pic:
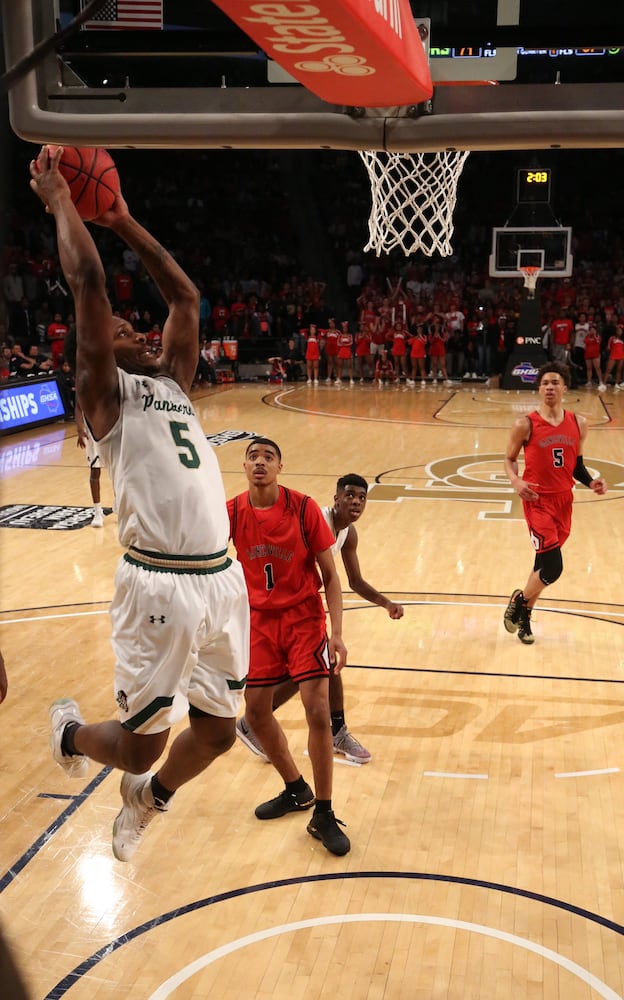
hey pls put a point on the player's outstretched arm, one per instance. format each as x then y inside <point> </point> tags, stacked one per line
<point>181,328</point>
<point>96,371</point>
<point>333,596</point>
<point>357,582</point>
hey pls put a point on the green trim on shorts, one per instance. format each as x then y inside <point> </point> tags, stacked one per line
<point>237,685</point>
<point>153,708</point>
<point>172,558</point>
<point>182,570</point>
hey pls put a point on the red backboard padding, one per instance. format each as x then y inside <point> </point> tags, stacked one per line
<point>363,53</point>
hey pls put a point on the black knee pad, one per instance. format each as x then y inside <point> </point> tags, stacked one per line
<point>549,565</point>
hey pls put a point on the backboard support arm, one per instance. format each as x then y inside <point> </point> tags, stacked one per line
<point>43,109</point>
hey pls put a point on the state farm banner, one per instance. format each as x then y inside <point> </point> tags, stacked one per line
<point>363,53</point>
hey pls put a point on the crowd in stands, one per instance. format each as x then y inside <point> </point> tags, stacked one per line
<point>229,222</point>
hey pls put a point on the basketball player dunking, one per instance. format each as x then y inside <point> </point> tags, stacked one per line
<point>179,614</point>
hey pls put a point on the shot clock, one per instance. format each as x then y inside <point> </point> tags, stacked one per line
<point>532,185</point>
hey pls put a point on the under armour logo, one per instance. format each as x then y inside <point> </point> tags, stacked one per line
<point>157,618</point>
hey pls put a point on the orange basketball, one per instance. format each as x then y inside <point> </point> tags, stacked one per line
<point>93,180</point>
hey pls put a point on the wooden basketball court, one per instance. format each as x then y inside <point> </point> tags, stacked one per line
<point>487,856</point>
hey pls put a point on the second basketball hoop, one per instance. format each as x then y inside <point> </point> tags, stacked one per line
<point>530,275</point>
<point>413,200</point>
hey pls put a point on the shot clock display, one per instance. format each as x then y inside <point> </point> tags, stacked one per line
<point>532,185</point>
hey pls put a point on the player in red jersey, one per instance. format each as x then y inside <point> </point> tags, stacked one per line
<point>281,538</point>
<point>349,505</point>
<point>553,440</point>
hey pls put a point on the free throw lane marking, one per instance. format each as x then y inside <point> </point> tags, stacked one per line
<point>451,774</point>
<point>587,774</point>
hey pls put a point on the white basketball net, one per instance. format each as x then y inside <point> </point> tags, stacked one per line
<point>530,275</point>
<point>413,200</point>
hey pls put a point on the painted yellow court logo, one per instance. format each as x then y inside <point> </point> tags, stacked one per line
<point>477,479</point>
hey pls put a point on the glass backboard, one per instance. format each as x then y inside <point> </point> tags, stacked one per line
<point>547,247</point>
<point>202,82</point>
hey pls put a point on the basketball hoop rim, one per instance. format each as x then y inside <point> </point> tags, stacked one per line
<point>530,274</point>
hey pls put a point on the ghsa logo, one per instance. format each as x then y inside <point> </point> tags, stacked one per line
<point>525,371</point>
<point>50,399</point>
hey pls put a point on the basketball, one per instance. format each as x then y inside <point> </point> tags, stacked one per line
<point>93,180</point>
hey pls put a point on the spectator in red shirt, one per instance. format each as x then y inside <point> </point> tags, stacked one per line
<point>123,284</point>
<point>561,334</point>
<point>566,293</point>
<point>616,358</point>
<point>368,316</point>
<point>154,338</point>
<point>265,321</point>
<point>399,348</point>
<point>363,357</point>
<point>345,353</point>
<point>5,362</point>
<point>220,317</point>
<point>379,333</point>
<point>238,313</point>
<point>56,338</point>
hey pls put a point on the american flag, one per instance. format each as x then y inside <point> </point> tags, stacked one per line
<point>118,14</point>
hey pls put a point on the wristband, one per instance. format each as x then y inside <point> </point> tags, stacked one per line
<point>581,473</point>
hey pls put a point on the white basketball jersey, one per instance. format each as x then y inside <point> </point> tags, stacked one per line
<point>341,537</point>
<point>167,481</point>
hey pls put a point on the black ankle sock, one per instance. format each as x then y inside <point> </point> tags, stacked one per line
<point>337,722</point>
<point>299,785</point>
<point>68,748</point>
<point>322,806</point>
<point>160,793</point>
